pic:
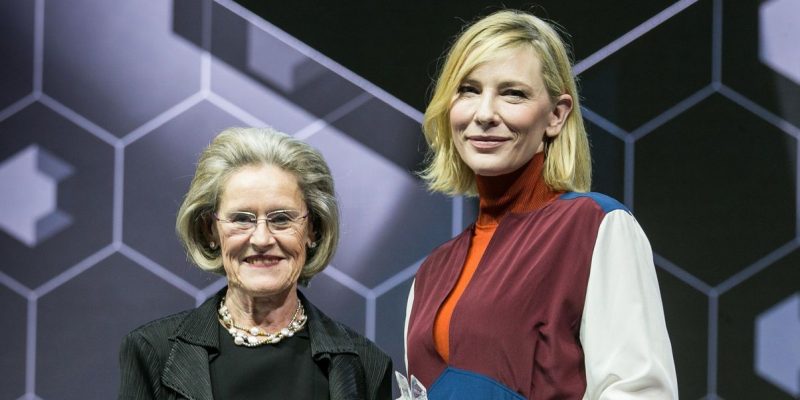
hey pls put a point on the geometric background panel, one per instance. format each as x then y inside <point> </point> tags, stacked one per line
<point>252,51</point>
<point>686,312</point>
<point>777,345</point>
<point>617,88</point>
<point>743,47</point>
<point>257,100</point>
<point>133,74</point>
<point>12,379</point>
<point>152,197</point>
<point>739,311</point>
<point>778,35</point>
<point>16,46</point>
<point>84,195</point>
<point>81,322</point>
<point>31,215</point>
<point>396,137</point>
<point>608,162</point>
<point>413,218</point>
<point>716,194</point>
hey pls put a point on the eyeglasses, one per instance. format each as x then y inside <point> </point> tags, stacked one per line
<point>278,222</point>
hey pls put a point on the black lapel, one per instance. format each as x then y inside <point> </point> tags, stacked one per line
<point>186,370</point>
<point>331,342</point>
<point>346,378</point>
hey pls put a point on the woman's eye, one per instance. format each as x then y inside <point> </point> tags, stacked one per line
<point>280,218</point>
<point>467,89</point>
<point>515,93</point>
<point>241,218</point>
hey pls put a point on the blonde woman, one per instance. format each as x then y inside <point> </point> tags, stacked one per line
<point>552,292</point>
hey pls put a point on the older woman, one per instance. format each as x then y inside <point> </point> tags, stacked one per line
<point>552,292</point>
<point>260,210</point>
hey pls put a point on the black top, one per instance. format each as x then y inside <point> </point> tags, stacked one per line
<point>284,370</point>
<point>170,358</point>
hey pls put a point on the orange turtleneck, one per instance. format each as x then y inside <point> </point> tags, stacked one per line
<point>521,191</point>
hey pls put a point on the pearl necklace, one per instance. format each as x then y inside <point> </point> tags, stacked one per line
<point>250,337</point>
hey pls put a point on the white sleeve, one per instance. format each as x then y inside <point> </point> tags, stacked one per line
<point>624,337</point>
<point>409,303</point>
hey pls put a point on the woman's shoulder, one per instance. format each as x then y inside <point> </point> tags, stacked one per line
<point>375,363</point>
<point>150,341</point>
<point>331,334</point>
<point>367,349</point>
<point>158,330</point>
<point>364,345</point>
<point>594,200</point>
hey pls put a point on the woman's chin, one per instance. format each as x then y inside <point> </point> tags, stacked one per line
<point>491,170</point>
<point>263,287</point>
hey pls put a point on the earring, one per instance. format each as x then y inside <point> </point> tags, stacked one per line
<point>312,245</point>
<point>212,245</point>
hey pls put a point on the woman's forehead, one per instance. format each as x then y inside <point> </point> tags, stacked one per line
<point>520,63</point>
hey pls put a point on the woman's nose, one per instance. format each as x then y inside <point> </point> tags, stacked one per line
<point>261,235</point>
<point>486,114</point>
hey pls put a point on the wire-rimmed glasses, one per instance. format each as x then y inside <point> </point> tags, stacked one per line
<point>278,222</point>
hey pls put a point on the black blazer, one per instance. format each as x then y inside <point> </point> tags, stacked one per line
<point>169,357</point>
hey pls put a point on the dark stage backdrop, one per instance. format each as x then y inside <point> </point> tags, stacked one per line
<point>693,109</point>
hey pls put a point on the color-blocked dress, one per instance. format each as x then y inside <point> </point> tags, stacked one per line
<point>564,304</point>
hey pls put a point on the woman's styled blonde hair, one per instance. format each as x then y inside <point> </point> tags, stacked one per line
<point>567,165</point>
<point>235,148</point>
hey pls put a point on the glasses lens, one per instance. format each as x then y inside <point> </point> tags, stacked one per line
<point>281,221</point>
<point>242,222</point>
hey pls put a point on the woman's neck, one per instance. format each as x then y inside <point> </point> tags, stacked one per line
<point>520,191</point>
<point>270,313</point>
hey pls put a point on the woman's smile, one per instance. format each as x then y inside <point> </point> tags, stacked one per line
<point>263,260</point>
<point>487,142</point>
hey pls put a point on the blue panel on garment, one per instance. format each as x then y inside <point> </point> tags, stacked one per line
<point>458,384</point>
<point>608,204</point>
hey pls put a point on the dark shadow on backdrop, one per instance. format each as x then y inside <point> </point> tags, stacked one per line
<point>307,84</point>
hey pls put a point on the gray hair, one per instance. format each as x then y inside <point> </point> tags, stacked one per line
<point>235,148</point>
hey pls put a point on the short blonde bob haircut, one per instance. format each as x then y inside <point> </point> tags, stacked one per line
<point>235,148</point>
<point>568,165</point>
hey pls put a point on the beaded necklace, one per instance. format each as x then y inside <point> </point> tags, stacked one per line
<point>254,336</point>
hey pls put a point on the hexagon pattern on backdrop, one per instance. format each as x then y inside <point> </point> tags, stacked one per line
<point>778,345</point>
<point>778,36</point>
<point>104,110</point>
<point>16,18</point>
<point>32,215</point>
<point>747,314</point>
